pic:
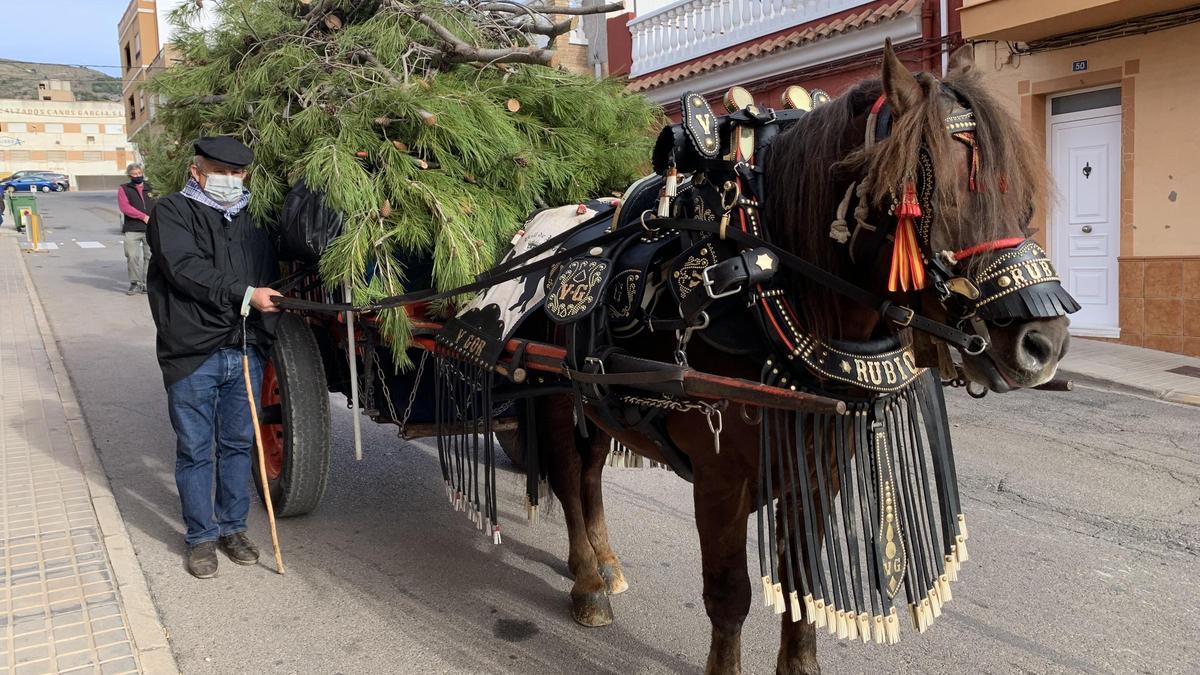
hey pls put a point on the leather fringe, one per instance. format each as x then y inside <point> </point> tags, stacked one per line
<point>465,441</point>
<point>859,518</point>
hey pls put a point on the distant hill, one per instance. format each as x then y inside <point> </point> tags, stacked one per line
<point>19,80</point>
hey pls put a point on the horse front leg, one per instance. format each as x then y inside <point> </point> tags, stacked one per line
<point>722,507</point>
<point>609,565</point>
<point>589,595</point>
<point>797,639</point>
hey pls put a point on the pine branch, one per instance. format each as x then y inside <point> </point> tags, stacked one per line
<point>462,52</point>
<point>510,7</point>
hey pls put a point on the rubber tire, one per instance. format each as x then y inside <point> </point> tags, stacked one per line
<point>59,188</point>
<point>304,404</point>
<point>45,188</point>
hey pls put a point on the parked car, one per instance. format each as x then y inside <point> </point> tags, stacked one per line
<point>54,175</point>
<point>59,178</point>
<point>29,183</point>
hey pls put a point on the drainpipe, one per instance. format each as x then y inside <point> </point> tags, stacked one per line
<point>944,21</point>
<point>927,53</point>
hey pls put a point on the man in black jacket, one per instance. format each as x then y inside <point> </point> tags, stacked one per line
<point>210,259</point>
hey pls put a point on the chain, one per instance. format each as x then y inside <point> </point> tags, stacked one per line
<point>712,411</point>
<point>387,393</point>
<point>412,396</point>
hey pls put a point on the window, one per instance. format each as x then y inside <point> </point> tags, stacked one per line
<point>128,57</point>
<point>56,155</point>
<point>132,110</point>
<point>91,140</point>
<point>141,101</point>
<point>19,155</point>
<point>137,46</point>
<point>1088,100</point>
<point>89,128</point>
<point>52,128</point>
<point>114,128</point>
<point>93,156</point>
<point>17,128</point>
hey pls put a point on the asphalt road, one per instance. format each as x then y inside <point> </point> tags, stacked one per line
<point>1084,512</point>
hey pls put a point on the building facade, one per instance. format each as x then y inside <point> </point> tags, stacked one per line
<point>708,46</point>
<point>84,139</point>
<point>138,42</point>
<point>1107,90</point>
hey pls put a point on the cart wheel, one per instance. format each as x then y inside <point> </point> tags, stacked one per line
<point>295,424</point>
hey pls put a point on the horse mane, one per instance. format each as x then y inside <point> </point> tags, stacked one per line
<point>811,165</point>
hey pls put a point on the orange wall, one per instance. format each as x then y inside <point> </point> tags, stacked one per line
<point>1159,72</point>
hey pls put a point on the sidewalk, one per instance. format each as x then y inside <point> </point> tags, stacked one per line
<point>1142,371</point>
<point>73,597</point>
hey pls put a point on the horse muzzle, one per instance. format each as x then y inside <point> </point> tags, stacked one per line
<point>1017,304</point>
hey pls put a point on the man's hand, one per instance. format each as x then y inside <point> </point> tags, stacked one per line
<point>261,300</point>
<point>146,219</point>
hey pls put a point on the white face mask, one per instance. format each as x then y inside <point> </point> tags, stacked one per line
<point>222,188</point>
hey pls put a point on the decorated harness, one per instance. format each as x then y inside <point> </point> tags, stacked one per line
<point>863,486</point>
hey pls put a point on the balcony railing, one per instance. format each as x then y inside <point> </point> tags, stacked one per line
<point>687,29</point>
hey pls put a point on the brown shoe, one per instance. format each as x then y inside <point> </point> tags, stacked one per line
<point>202,560</point>
<point>239,548</point>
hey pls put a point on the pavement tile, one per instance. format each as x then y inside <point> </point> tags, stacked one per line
<point>35,668</point>
<point>126,665</point>
<point>69,632</point>
<point>114,651</point>
<point>79,662</point>
<point>72,646</point>
<point>31,654</point>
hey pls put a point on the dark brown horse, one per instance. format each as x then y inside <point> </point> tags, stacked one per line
<point>808,171</point>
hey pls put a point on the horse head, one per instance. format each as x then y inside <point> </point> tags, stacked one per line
<point>930,186</point>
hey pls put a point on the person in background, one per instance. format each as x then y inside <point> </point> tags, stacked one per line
<point>136,204</point>
<point>209,259</point>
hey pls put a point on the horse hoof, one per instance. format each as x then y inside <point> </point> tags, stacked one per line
<point>592,609</point>
<point>614,578</point>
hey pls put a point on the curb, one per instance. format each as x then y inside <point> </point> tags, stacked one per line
<point>1169,395</point>
<point>146,630</point>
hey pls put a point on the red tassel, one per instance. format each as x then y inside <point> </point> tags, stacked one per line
<point>907,270</point>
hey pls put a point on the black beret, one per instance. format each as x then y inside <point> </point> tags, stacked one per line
<point>224,149</point>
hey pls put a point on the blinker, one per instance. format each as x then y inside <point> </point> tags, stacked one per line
<point>963,286</point>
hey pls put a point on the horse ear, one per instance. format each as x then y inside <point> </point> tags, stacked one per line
<point>962,61</point>
<point>899,85</point>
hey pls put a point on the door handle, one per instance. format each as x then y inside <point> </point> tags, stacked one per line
<point>1087,229</point>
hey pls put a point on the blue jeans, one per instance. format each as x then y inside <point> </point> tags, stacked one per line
<point>210,405</point>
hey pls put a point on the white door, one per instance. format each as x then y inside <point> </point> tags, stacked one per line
<point>1085,227</point>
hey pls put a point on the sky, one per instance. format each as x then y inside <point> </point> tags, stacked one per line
<point>73,32</point>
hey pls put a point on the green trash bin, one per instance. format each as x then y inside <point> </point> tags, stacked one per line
<point>22,208</point>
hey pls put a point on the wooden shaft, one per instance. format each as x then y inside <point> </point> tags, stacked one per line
<point>549,359</point>
<point>262,464</point>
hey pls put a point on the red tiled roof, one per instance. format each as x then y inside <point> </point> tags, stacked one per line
<point>770,45</point>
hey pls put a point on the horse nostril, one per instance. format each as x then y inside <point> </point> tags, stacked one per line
<point>1036,349</point>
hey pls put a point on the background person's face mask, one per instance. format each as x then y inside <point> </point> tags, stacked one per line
<point>223,188</point>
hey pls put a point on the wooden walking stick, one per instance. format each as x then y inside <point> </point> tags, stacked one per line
<point>262,463</point>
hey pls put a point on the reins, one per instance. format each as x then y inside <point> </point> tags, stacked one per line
<point>899,315</point>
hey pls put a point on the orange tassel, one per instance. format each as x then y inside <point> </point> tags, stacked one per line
<point>907,270</point>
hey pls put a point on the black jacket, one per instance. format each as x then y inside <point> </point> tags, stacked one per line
<point>199,272</point>
<point>142,202</point>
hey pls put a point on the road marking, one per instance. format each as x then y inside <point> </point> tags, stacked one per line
<point>89,244</point>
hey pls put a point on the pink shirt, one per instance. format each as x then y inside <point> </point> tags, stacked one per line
<point>126,207</point>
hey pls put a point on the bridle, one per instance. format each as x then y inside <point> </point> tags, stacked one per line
<point>1019,283</point>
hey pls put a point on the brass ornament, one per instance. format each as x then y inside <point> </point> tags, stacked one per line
<point>796,97</point>
<point>738,98</point>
